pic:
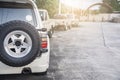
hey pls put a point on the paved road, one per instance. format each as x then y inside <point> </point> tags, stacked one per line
<point>90,52</point>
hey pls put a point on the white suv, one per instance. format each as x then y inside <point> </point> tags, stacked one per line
<point>24,44</point>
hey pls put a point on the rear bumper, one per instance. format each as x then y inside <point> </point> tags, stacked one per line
<point>39,65</point>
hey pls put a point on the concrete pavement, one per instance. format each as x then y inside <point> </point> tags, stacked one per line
<point>90,52</point>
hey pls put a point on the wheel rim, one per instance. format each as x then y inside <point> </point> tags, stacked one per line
<point>17,44</point>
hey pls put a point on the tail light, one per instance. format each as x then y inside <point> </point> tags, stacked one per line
<point>44,43</point>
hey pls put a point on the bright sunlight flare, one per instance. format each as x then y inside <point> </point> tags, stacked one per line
<point>83,4</point>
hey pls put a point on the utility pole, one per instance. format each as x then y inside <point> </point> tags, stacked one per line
<point>72,10</point>
<point>59,12</point>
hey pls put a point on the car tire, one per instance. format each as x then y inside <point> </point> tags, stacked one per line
<point>44,73</point>
<point>50,34</point>
<point>69,27</point>
<point>41,73</point>
<point>20,43</point>
<point>53,30</point>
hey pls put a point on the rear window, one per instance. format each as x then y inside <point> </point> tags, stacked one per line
<point>16,11</point>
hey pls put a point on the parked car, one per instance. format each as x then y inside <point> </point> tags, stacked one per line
<point>47,22</point>
<point>115,19</point>
<point>24,43</point>
<point>62,22</point>
<point>72,20</point>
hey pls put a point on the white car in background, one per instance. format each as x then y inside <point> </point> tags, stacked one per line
<point>24,43</point>
<point>47,22</point>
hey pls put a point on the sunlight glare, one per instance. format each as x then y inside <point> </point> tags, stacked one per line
<point>82,4</point>
<point>71,3</point>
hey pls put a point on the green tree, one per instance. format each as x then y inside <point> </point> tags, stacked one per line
<point>113,3</point>
<point>103,9</point>
<point>50,5</point>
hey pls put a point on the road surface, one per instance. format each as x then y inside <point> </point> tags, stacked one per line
<point>89,52</point>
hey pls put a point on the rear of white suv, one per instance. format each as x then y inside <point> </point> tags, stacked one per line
<point>27,11</point>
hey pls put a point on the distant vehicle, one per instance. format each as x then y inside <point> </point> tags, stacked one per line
<point>60,16</point>
<point>72,20</point>
<point>62,21</point>
<point>24,43</point>
<point>115,19</point>
<point>47,22</point>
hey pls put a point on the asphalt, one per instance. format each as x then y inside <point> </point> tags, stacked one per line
<point>88,52</point>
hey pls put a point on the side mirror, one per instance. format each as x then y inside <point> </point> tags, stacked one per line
<point>43,29</point>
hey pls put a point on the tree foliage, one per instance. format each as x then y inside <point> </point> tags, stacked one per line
<point>113,3</point>
<point>50,5</point>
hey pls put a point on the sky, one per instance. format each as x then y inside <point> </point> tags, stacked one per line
<point>83,4</point>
